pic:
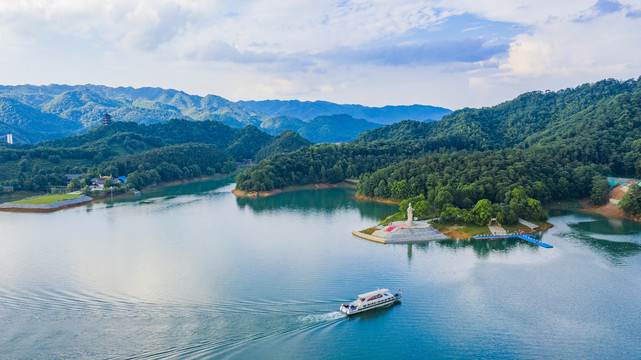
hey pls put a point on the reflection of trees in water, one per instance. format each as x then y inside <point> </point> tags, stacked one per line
<point>613,251</point>
<point>482,248</point>
<point>172,191</point>
<point>608,226</point>
<point>326,200</point>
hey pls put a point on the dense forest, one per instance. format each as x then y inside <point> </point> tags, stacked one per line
<point>552,145</point>
<point>172,150</point>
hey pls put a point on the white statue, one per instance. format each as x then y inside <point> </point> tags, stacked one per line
<point>410,215</point>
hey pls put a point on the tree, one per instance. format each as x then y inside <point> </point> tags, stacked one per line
<point>450,215</point>
<point>55,159</point>
<point>482,212</point>
<point>351,172</point>
<point>381,190</point>
<point>517,200</point>
<point>600,191</point>
<point>583,176</point>
<point>136,180</point>
<point>563,187</point>
<point>631,202</point>
<point>443,198</point>
<point>400,189</point>
<point>506,216</point>
<point>536,210</point>
<point>74,185</point>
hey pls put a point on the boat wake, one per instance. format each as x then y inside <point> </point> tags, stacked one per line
<point>328,317</point>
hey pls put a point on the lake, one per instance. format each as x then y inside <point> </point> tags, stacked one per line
<point>192,272</point>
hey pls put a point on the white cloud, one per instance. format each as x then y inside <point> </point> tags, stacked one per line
<point>566,53</point>
<point>373,52</point>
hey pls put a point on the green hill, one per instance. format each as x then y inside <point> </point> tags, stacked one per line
<point>519,122</point>
<point>287,141</point>
<point>595,128</point>
<point>172,150</point>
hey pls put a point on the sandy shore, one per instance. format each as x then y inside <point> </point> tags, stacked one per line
<point>375,199</point>
<point>608,209</point>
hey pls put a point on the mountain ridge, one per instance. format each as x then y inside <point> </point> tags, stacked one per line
<point>307,110</point>
<point>79,108</point>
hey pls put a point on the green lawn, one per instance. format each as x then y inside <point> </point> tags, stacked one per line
<point>369,231</point>
<point>516,228</point>
<point>46,199</point>
<point>475,230</point>
<point>395,217</point>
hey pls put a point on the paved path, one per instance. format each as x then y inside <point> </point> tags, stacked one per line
<point>497,230</point>
<point>528,224</point>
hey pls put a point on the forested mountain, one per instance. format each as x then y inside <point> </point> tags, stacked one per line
<point>322,129</point>
<point>36,113</point>
<point>523,121</point>
<point>23,120</point>
<point>84,105</point>
<point>287,141</point>
<point>550,144</point>
<point>308,110</point>
<point>172,150</point>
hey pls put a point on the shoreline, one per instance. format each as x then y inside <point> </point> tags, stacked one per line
<point>161,185</point>
<point>96,199</point>
<point>259,194</point>
<point>607,210</point>
<point>456,232</point>
<point>584,205</point>
<point>375,199</point>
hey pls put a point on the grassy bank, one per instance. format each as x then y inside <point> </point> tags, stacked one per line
<point>394,217</point>
<point>46,199</point>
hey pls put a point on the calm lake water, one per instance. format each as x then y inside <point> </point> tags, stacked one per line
<point>192,272</point>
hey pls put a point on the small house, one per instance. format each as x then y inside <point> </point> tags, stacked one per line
<point>99,182</point>
<point>7,189</point>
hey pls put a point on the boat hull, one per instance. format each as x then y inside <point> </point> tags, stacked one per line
<point>347,311</point>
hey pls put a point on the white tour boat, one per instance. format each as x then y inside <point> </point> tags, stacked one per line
<point>371,300</point>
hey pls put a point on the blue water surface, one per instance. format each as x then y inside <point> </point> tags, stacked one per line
<point>192,272</point>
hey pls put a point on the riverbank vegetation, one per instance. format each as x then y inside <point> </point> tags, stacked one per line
<point>631,202</point>
<point>174,150</point>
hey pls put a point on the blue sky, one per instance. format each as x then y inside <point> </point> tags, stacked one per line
<point>454,53</point>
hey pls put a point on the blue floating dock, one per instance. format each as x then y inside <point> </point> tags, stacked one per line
<point>528,238</point>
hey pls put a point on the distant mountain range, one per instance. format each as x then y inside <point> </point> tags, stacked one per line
<point>36,113</point>
<point>308,110</point>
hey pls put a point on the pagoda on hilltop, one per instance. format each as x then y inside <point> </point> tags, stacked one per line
<point>106,119</point>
